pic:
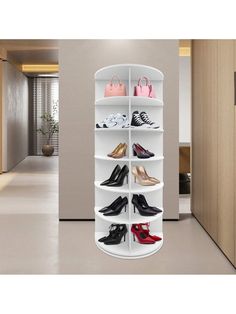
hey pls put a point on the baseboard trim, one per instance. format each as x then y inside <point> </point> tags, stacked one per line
<point>76,219</point>
<point>62,219</point>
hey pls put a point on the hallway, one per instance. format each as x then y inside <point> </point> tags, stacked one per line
<point>32,241</point>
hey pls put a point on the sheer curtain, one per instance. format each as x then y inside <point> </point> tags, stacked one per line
<point>45,97</point>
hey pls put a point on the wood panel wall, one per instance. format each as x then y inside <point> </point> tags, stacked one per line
<point>213,140</point>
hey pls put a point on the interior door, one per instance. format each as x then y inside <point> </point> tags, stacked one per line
<point>226,147</point>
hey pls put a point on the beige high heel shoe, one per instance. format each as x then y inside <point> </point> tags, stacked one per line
<point>143,172</point>
<point>121,152</point>
<point>140,178</point>
<point>115,150</point>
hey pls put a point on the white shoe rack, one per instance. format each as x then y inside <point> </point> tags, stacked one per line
<point>105,142</point>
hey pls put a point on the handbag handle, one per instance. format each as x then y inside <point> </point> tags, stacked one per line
<point>117,77</point>
<point>144,78</point>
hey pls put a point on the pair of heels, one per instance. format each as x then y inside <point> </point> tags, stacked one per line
<point>117,176</point>
<point>141,176</point>
<point>141,232</point>
<point>117,232</point>
<point>141,152</point>
<point>119,151</point>
<point>115,207</point>
<point>140,203</point>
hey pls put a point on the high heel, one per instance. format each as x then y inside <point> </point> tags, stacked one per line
<point>121,152</point>
<point>140,153</point>
<point>111,206</point>
<point>112,230</point>
<point>140,179</point>
<point>115,150</point>
<point>144,174</point>
<point>143,202</point>
<point>142,211</point>
<point>145,229</point>
<point>145,150</point>
<point>117,210</point>
<point>117,236</point>
<point>113,175</point>
<point>120,177</point>
<point>142,237</point>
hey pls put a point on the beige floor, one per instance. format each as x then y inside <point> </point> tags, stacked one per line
<point>32,241</point>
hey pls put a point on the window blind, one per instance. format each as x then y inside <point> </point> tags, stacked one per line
<point>45,99</point>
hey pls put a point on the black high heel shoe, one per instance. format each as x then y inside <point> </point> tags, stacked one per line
<point>120,178</point>
<point>142,211</point>
<point>111,206</point>
<point>117,210</point>
<point>143,202</point>
<point>113,175</point>
<point>117,236</point>
<point>112,230</point>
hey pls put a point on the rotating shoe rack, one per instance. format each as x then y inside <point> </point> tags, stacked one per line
<point>107,139</point>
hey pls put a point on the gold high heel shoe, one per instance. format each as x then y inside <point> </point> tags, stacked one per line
<point>144,174</point>
<point>115,150</point>
<point>140,177</point>
<point>121,152</point>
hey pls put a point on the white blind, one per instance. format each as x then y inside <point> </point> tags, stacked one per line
<point>45,97</point>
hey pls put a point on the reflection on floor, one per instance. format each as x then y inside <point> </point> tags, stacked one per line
<point>184,203</point>
<point>32,241</point>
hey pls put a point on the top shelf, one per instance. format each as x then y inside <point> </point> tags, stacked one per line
<point>124,101</point>
<point>129,71</point>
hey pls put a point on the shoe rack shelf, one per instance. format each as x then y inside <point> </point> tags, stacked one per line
<point>108,138</point>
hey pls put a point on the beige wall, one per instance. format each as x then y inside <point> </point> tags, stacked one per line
<point>79,60</point>
<point>15,116</point>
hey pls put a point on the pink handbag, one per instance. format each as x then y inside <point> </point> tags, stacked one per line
<point>146,90</point>
<point>112,89</point>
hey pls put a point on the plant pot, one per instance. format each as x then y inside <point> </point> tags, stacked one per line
<point>47,150</point>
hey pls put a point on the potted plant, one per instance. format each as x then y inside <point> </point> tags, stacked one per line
<point>49,127</point>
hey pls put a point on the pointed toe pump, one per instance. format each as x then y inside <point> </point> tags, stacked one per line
<point>120,177</point>
<point>113,175</point>
<point>111,206</point>
<point>142,211</point>
<point>140,178</point>
<point>144,174</point>
<point>117,236</point>
<point>143,202</point>
<point>116,210</point>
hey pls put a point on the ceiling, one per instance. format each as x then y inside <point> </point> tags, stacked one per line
<point>29,52</point>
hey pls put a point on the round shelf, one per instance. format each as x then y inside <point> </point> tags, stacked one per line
<point>113,101</point>
<point>119,189</point>
<point>145,101</point>
<point>123,217</point>
<point>122,250</point>
<point>111,129</point>
<point>135,188</point>
<point>138,129</point>
<point>132,159</point>
<point>124,101</point>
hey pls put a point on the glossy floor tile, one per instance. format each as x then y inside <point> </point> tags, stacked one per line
<point>33,241</point>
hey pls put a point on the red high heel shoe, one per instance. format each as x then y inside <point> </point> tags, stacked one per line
<point>141,234</point>
<point>147,232</point>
